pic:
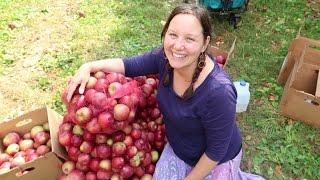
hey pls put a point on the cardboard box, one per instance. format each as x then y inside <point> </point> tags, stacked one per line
<point>299,99</point>
<point>215,51</point>
<point>47,166</point>
<point>294,54</point>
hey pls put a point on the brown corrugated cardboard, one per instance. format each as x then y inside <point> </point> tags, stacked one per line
<point>298,100</point>
<point>294,53</point>
<point>318,85</point>
<point>47,166</point>
<point>215,51</point>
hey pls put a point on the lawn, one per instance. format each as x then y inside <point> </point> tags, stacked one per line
<point>275,146</point>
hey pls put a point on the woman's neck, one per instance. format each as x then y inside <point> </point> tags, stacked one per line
<point>186,73</point>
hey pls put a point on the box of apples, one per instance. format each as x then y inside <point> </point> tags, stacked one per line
<point>220,56</point>
<point>29,147</point>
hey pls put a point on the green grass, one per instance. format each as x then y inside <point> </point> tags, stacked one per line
<point>274,146</point>
<point>280,148</point>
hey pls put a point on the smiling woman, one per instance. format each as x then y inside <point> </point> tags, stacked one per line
<point>196,97</point>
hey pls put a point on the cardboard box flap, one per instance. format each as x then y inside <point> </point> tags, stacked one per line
<point>312,55</point>
<point>40,169</point>
<point>231,51</point>
<point>318,85</point>
<point>295,50</point>
<point>24,123</point>
<point>12,174</point>
<point>55,120</point>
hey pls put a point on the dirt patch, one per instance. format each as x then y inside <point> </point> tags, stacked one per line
<point>42,33</point>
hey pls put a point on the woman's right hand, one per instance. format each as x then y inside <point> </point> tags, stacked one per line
<point>80,78</point>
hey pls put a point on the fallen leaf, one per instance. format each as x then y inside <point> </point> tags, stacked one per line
<point>219,40</point>
<point>265,9</point>
<point>271,97</point>
<point>267,84</point>
<point>81,14</point>
<point>162,22</point>
<point>278,170</point>
<point>290,122</point>
<point>259,102</point>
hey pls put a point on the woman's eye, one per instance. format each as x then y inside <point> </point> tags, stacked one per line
<point>172,35</point>
<point>190,39</point>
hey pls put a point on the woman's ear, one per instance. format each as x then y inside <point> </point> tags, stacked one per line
<point>206,43</point>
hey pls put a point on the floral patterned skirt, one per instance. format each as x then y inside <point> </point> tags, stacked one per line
<point>171,167</point>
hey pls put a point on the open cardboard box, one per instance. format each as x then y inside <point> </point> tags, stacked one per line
<point>299,100</point>
<point>293,55</point>
<point>47,166</point>
<point>215,51</point>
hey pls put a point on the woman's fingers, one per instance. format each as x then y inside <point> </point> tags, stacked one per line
<point>71,88</point>
<point>83,85</point>
<point>81,78</point>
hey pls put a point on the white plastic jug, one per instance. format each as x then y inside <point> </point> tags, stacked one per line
<point>243,95</point>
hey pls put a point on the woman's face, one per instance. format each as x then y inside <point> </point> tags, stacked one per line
<point>184,41</point>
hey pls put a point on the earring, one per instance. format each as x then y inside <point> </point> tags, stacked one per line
<point>202,62</point>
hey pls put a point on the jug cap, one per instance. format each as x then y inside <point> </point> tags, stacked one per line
<point>243,82</point>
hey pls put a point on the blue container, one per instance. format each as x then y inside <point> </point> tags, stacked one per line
<point>223,4</point>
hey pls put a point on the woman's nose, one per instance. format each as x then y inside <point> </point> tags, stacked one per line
<point>179,44</point>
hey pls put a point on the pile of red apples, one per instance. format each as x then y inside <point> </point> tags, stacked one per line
<point>114,130</point>
<point>22,148</point>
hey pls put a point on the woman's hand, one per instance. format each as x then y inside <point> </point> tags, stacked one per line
<point>80,78</point>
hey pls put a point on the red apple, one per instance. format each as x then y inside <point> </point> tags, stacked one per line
<point>126,171</point>
<point>94,164</point>
<point>132,151</point>
<point>93,126</point>
<point>12,149</point>
<point>86,147</point>
<point>91,175</point>
<point>11,138</point>
<point>105,164</point>
<point>105,120</point>
<point>41,137</point>
<point>65,138</point>
<point>104,174</point>
<point>146,177</point>
<point>101,85</point>
<point>76,140</point>
<point>73,153</point>
<point>103,151</point>
<point>84,159</point>
<point>154,156</point>
<point>83,115</point>
<point>101,139</point>
<point>76,175</point>
<point>17,161</point>
<point>136,133</point>
<point>67,167</point>
<point>128,141</point>
<point>118,136</point>
<point>112,77</point>
<point>117,162</point>
<point>42,150</point>
<point>135,161</point>
<point>99,74</point>
<point>113,88</point>
<point>77,130</point>
<point>91,82</point>
<point>25,144</point>
<point>119,148</point>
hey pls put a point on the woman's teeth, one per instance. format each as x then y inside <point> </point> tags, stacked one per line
<point>178,55</point>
